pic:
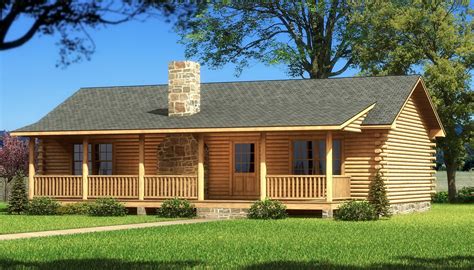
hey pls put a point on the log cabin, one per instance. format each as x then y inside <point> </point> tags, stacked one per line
<point>311,144</point>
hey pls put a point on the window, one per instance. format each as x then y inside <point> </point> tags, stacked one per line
<point>77,159</point>
<point>309,157</point>
<point>101,163</point>
<point>244,158</point>
<point>103,159</point>
<point>303,158</point>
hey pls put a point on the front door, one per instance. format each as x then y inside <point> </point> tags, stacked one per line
<point>245,180</point>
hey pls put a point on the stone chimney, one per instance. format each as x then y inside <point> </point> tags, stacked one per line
<point>184,89</point>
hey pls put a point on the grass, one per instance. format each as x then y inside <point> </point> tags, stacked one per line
<point>441,238</point>
<point>24,223</point>
<point>463,179</point>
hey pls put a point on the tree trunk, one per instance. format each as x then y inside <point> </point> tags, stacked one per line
<point>451,173</point>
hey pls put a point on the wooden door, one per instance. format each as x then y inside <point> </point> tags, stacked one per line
<point>245,177</point>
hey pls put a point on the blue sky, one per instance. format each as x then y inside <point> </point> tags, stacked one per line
<point>134,53</point>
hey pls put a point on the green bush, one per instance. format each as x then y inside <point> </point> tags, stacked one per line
<point>440,197</point>
<point>43,206</point>
<point>74,209</point>
<point>267,209</point>
<point>466,195</point>
<point>18,201</point>
<point>378,196</point>
<point>107,207</point>
<point>175,208</point>
<point>356,211</point>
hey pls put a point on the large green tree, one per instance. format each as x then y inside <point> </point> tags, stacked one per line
<point>309,37</point>
<point>72,20</point>
<point>434,38</point>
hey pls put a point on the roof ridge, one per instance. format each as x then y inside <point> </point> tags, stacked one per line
<point>256,81</point>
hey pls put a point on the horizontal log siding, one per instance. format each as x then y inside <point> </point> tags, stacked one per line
<point>151,152</point>
<point>408,157</point>
<point>56,157</point>
<point>219,172</point>
<point>355,126</point>
<point>125,156</point>
<point>361,159</point>
<point>278,153</point>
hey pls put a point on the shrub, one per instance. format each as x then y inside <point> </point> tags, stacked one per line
<point>440,197</point>
<point>43,206</point>
<point>174,208</point>
<point>18,201</point>
<point>378,196</point>
<point>107,207</point>
<point>267,209</point>
<point>356,211</point>
<point>466,195</point>
<point>74,209</point>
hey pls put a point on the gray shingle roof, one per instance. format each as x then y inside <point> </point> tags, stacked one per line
<point>234,104</point>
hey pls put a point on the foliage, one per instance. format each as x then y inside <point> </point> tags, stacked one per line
<point>13,159</point>
<point>436,37</point>
<point>356,211</point>
<point>107,207</point>
<point>414,241</point>
<point>440,197</point>
<point>378,196</point>
<point>18,201</point>
<point>43,206</point>
<point>175,208</point>
<point>70,20</point>
<point>310,38</point>
<point>466,195</point>
<point>267,209</point>
<point>74,209</point>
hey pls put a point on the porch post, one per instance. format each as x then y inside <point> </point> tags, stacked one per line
<point>141,168</point>
<point>85,167</point>
<point>263,167</point>
<point>329,177</point>
<point>31,168</point>
<point>200,180</point>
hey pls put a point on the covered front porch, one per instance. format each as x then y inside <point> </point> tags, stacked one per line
<point>94,175</point>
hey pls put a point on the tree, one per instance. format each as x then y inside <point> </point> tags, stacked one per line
<point>436,38</point>
<point>13,159</point>
<point>310,37</point>
<point>18,201</point>
<point>378,196</point>
<point>71,20</point>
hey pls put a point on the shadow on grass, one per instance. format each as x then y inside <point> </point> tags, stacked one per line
<point>92,264</point>
<point>410,263</point>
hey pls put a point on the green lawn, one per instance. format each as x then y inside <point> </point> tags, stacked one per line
<point>463,179</point>
<point>23,223</point>
<point>441,238</point>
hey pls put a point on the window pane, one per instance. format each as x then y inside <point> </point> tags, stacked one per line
<point>336,155</point>
<point>244,157</point>
<point>303,162</point>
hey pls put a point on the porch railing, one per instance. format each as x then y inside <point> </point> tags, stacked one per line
<point>60,186</point>
<point>169,186</point>
<point>119,186</point>
<point>289,187</point>
<point>296,186</point>
<point>341,187</point>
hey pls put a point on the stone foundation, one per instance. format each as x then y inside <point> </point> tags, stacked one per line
<point>222,213</point>
<point>178,155</point>
<point>406,208</point>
